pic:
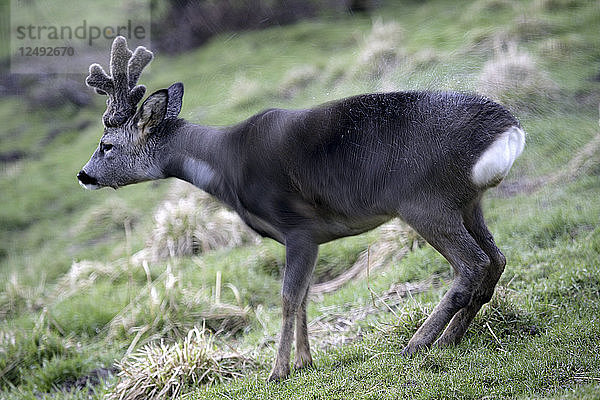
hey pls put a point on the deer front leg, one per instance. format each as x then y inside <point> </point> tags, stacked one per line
<point>301,254</point>
<point>303,358</point>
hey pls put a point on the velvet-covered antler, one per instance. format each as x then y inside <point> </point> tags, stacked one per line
<point>120,86</point>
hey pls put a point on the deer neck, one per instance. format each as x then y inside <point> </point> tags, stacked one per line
<point>202,156</point>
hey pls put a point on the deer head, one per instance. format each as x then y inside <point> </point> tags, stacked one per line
<point>128,149</point>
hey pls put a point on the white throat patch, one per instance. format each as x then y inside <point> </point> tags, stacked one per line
<point>89,186</point>
<point>198,172</point>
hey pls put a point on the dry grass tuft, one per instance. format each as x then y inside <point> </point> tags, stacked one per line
<point>381,51</point>
<point>83,274</point>
<point>225,318</point>
<point>528,28</point>
<point>244,91</point>
<point>513,78</point>
<point>296,79</point>
<point>113,214</point>
<point>220,317</point>
<point>193,224</point>
<point>561,48</point>
<point>161,371</point>
<point>169,306</point>
<point>16,297</point>
<point>7,339</point>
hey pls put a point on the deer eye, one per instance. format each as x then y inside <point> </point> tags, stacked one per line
<point>104,147</point>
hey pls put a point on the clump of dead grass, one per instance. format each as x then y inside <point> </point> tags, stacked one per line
<point>381,51</point>
<point>16,296</point>
<point>7,339</point>
<point>164,371</point>
<point>84,274</point>
<point>194,224</point>
<point>218,316</point>
<point>245,92</point>
<point>528,28</point>
<point>168,306</point>
<point>112,214</point>
<point>512,77</point>
<point>297,78</point>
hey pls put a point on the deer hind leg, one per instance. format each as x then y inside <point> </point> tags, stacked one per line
<point>475,224</point>
<point>449,236</point>
<point>301,255</point>
<point>302,358</point>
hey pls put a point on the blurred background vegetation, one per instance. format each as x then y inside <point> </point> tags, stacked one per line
<point>94,284</point>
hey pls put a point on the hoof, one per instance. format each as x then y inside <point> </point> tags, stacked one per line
<point>408,352</point>
<point>278,374</point>
<point>447,341</point>
<point>303,361</point>
<point>411,349</point>
<point>299,365</point>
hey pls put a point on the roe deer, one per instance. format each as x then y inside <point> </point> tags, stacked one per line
<point>306,177</point>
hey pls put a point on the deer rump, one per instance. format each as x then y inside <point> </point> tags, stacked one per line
<point>347,166</point>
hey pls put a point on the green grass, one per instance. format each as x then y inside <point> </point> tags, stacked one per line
<point>536,339</point>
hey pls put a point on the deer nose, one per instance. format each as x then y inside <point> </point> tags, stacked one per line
<point>86,179</point>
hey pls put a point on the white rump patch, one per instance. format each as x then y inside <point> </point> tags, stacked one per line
<point>495,162</point>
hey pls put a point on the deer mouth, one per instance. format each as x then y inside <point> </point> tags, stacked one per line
<point>87,182</point>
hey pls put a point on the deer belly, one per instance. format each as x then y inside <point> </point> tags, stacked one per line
<point>327,229</point>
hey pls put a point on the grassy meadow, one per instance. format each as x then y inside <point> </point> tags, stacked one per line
<point>155,289</point>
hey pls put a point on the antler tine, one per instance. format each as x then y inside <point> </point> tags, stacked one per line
<point>120,86</point>
<point>141,57</point>
<point>99,80</point>
<point>119,58</point>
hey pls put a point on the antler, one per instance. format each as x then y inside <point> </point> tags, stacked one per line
<point>120,86</point>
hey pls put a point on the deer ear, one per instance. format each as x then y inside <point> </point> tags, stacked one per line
<point>152,112</point>
<point>175,99</point>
